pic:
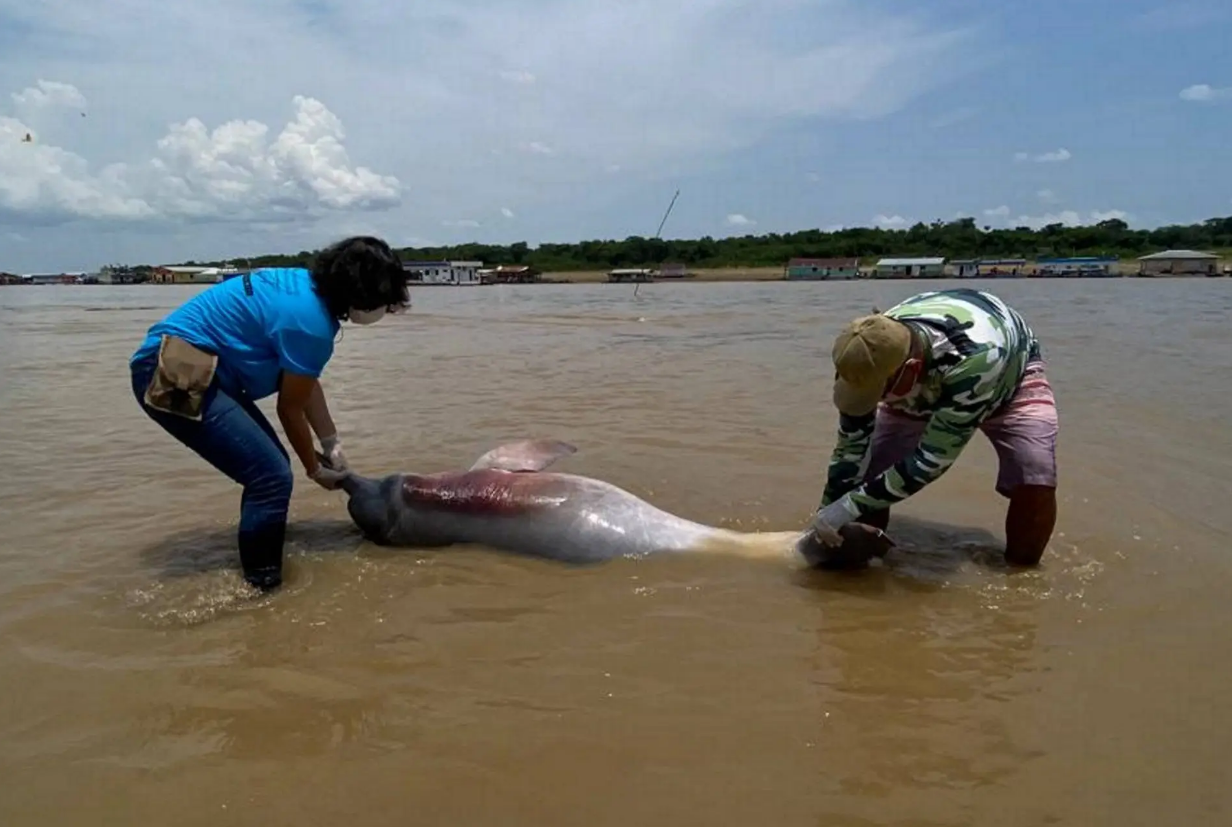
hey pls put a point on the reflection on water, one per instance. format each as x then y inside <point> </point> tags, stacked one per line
<point>145,684</point>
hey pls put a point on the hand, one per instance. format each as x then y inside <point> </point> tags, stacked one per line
<point>327,476</point>
<point>827,522</point>
<point>861,543</point>
<point>867,540</point>
<point>824,532</point>
<point>331,446</point>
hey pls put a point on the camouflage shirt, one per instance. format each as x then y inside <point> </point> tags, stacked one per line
<point>977,350</point>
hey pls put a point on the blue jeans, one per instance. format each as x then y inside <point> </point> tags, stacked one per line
<point>236,438</point>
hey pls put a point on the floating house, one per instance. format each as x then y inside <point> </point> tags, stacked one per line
<point>674,271</point>
<point>457,273</point>
<point>57,278</point>
<point>627,274</point>
<point>1002,267</point>
<point>967,268</point>
<point>191,274</point>
<point>1179,263</point>
<point>1077,266</point>
<point>427,272</point>
<point>465,272</point>
<point>510,274</point>
<point>821,269</point>
<point>111,274</point>
<point>911,268</point>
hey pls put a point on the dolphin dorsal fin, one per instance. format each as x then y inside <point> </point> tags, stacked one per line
<point>527,455</point>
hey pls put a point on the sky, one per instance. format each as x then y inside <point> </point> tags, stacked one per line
<point>158,132</point>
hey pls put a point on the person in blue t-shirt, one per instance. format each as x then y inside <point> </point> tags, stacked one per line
<point>200,370</point>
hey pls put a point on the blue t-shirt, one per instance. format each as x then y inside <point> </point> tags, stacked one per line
<point>259,326</point>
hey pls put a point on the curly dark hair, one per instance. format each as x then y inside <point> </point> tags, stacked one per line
<point>359,272</point>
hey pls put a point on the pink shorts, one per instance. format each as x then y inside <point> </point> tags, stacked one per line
<point>1023,433</point>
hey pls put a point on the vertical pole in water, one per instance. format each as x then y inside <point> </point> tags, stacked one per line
<point>659,231</point>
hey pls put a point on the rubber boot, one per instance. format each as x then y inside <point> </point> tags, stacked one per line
<point>261,556</point>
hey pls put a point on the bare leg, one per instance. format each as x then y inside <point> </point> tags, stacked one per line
<point>1025,438</point>
<point>1029,521</point>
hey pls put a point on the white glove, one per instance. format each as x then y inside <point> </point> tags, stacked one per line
<point>331,446</point>
<point>826,534</point>
<point>330,473</point>
<point>827,521</point>
<point>327,477</point>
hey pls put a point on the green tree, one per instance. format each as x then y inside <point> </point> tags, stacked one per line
<point>960,238</point>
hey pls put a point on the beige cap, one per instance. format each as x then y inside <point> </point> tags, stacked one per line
<point>866,355</point>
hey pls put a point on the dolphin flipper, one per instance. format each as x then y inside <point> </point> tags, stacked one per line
<point>526,455</point>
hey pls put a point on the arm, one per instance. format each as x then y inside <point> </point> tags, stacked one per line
<point>294,396</point>
<point>854,436</point>
<point>966,398</point>
<point>317,411</point>
<point>947,434</point>
<point>301,402</point>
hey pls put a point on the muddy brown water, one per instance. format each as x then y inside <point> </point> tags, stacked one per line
<point>140,684</point>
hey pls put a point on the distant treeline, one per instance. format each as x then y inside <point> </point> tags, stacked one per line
<point>954,239</point>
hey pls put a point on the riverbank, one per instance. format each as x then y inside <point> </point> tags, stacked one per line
<point>765,274</point>
<point>722,274</point>
<point>1125,269</point>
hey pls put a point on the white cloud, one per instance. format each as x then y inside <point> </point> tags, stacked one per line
<point>537,147</point>
<point>998,212</point>
<point>737,220</point>
<point>508,213</point>
<point>1055,157</point>
<point>461,222</point>
<point>890,222</point>
<point>1047,196</point>
<point>48,94</point>
<point>1070,218</point>
<point>231,173</point>
<point>449,90</point>
<point>1205,93</point>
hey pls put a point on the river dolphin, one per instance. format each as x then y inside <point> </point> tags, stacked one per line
<point>507,501</point>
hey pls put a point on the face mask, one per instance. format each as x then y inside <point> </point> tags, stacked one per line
<point>366,316</point>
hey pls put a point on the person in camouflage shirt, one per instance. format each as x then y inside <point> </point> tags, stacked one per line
<point>912,387</point>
